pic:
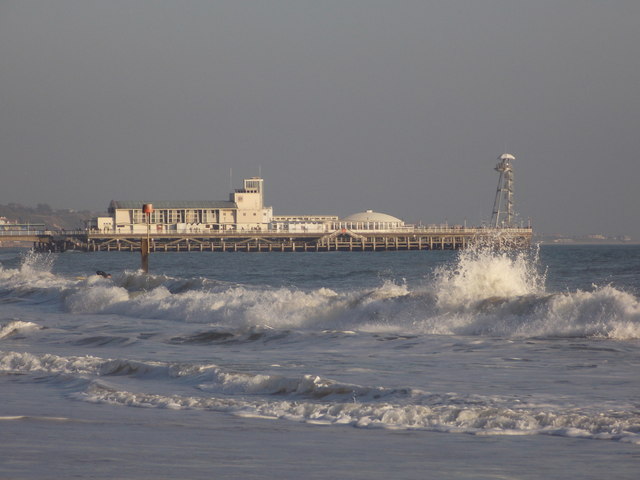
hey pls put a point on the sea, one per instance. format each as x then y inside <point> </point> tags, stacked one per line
<point>473,364</point>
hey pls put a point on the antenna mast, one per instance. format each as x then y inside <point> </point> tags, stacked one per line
<point>503,212</point>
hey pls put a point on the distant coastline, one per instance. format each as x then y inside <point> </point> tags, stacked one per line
<point>567,240</point>
<point>54,219</point>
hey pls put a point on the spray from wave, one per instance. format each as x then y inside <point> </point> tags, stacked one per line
<point>32,280</point>
<point>32,267</point>
<point>482,273</point>
<point>502,293</point>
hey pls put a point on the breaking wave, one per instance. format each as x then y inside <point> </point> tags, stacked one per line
<point>482,273</point>
<point>17,327</point>
<point>318,400</point>
<point>474,416</point>
<point>487,292</point>
<point>482,292</point>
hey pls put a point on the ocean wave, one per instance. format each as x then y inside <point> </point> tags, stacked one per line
<point>318,400</point>
<point>24,362</point>
<point>104,340</point>
<point>138,281</point>
<point>305,386</point>
<point>210,378</point>
<point>481,292</point>
<point>479,418</point>
<point>235,306</point>
<point>33,282</point>
<point>17,327</point>
<point>605,312</point>
<point>16,362</point>
<point>482,273</point>
<point>94,298</point>
<point>223,335</point>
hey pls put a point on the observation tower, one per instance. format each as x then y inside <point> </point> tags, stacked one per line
<point>503,213</point>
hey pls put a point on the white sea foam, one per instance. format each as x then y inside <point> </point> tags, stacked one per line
<point>17,327</point>
<point>33,277</point>
<point>140,281</point>
<point>95,298</point>
<point>605,312</point>
<point>489,292</point>
<point>236,306</point>
<point>136,281</point>
<point>206,377</point>
<point>489,419</point>
<point>306,386</point>
<point>24,362</point>
<point>27,363</point>
<point>314,399</point>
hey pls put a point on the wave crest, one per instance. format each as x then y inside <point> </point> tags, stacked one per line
<point>475,415</point>
<point>17,327</point>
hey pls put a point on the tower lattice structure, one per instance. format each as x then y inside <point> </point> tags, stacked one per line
<point>503,213</point>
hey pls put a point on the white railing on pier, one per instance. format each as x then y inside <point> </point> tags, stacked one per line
<point>417,230</point>
<point>41,233</point>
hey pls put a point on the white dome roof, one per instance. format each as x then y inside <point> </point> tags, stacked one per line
<point>371,216</point>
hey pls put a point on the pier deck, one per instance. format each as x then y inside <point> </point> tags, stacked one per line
<point>417,239</point>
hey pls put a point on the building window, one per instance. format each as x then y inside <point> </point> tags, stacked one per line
<point>138,217</point>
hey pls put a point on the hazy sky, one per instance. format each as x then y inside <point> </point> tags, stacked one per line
<point>343,105</point>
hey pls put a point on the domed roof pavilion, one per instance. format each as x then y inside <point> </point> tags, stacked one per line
<point>371,220</point>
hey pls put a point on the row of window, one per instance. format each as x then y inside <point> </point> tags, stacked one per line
<point>170,216</point>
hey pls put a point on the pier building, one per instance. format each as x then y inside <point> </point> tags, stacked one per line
<point>11,226</point>
<point>244,211</point>
<point>371,221</point>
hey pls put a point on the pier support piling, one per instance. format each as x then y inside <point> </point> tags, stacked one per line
<point>144,251</point>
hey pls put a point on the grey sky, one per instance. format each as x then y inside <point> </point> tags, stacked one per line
<point>396,106</point>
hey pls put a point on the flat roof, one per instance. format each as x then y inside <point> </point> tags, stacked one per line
<point>161,205</point>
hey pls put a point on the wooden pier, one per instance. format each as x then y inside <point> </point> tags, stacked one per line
<point>342,241</point>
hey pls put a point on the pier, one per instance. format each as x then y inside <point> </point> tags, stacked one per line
<point>445,238</point>
<point>47,240</point>
<point>244,224</point>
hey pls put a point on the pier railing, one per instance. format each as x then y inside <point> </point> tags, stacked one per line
<point>40,233</point>
<point>419,238</point>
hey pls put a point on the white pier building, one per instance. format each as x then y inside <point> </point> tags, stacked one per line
<point>244,211</point>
